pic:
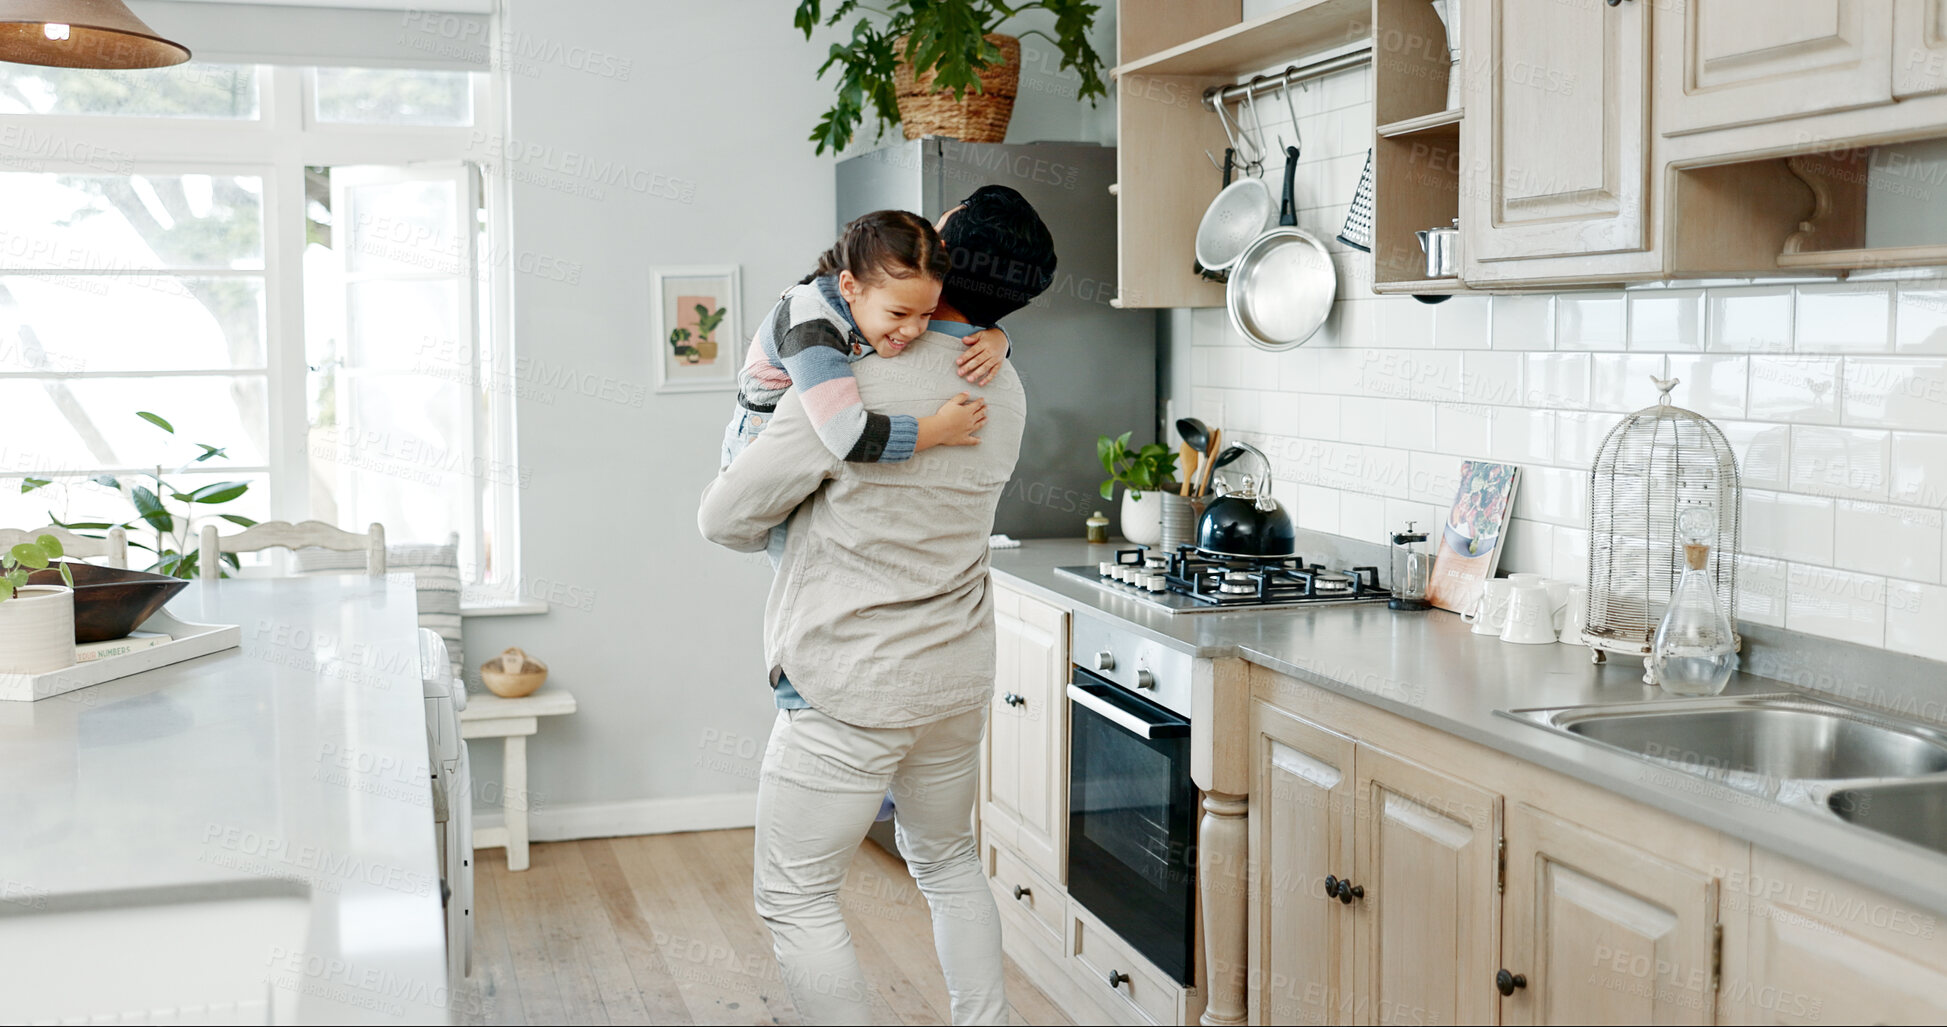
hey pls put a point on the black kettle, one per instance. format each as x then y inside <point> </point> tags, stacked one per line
<point>1247,522</point>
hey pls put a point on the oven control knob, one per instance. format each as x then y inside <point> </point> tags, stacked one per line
<point>1146,680</point>
<point>1105,660</point>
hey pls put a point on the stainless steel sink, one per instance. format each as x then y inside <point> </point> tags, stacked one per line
<point>1758,742</point>
<point>1912,811</point>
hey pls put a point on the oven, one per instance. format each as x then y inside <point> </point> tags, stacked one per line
<point>1132,806</point>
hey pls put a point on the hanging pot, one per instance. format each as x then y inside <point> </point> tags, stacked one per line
<point>1248,522</point>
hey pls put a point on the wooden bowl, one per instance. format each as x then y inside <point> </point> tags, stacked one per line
<point>513,674</point>
<point>110,602</point>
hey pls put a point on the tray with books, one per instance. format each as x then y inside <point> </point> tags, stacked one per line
<point>157,642</point>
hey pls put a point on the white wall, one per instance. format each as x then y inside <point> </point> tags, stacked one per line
<point>1834,395</point>
<point>656,632</point>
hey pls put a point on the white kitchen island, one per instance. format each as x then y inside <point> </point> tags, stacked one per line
<point>246,837</point>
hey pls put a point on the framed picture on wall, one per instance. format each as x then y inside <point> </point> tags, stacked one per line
<point>694,326</point>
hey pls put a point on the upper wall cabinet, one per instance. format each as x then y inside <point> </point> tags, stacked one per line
<point>1744,62</point>
<point>1920,53</point>
<point>1557,132</point>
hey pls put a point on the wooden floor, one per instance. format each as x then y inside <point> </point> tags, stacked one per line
<point>660,929</point>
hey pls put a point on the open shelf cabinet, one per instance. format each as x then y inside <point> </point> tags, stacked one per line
<point>1416,158</point>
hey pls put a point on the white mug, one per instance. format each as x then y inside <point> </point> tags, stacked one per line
<point>1558,598</point>
<point>1575,615</point>
<point>1530,619</point>
<point>1490,609</point>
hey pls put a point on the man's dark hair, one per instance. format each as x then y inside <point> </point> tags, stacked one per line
<point>1003,256</point>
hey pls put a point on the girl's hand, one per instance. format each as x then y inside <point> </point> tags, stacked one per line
<point>954,424</point>
<point>985,351</point>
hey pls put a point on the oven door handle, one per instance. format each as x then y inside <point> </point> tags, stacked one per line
<point>1124,719</point>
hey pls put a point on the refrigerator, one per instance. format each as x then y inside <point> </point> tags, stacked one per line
<point>1088,368</point>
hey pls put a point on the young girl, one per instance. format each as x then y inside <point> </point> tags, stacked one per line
<point>873,292</point>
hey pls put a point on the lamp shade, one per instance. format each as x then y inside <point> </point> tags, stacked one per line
<point>82,34</point>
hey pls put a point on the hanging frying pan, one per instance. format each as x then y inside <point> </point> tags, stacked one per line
<point>1241,211</point>
<point>1282,286</point>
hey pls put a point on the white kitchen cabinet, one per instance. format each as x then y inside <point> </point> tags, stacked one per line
<point>1301,830</point>
<point>1556,138</point>
<point>1428,923</point>
<point>1602,932</point>
<point>1919,47</point>
<point>1742,62</point>
<point>1025,776</point>
<point>1825,950</point>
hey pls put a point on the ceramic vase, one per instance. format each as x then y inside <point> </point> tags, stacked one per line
<point>1142,517</point>
<point>37,630</point>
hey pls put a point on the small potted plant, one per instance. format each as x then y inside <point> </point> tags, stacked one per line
<point>906,56</point>
<point>1142,473</point>
<point>36,621</point>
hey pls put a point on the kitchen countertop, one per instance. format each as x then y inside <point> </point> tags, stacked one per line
<point>296,764</point>
<point>1431,668</point>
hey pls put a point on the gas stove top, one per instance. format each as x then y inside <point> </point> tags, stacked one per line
<point>1190,580</point>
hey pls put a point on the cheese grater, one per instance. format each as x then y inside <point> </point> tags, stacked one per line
<point>1357,232</point>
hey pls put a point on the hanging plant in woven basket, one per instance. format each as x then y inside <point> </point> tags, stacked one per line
<point>938,67</point>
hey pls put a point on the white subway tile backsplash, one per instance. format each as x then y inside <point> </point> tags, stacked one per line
<point>1490,378</point>
<point>1761,590</point>
<point>1571,557</point>
<point>1843,319</point>
<point>1405,325</point>
<point>1919,469</point>
<point>1363,421</point>
<point>1528,547</point>
<point>1523,436</point>
<point>1463,322</point>
<point>1620,382</point>
<point>1897,393</point>
<point>1591,320</point>
<point>1579,435</point>
<point>1801,390</point>
<point>1750,320</point>
<point>1881,538</point>
<point>1666,320</point>
<point>1914,614</point>
<point>1555,380</point>
<point>1318,417</point>
<point>1714,385</point>
<point>1836,604</point>
<point>1435,478</point>
<point>1787,526</point>
<point>1840,461</point>
<point>1524,322</point>
<point>1318,509</point>
<point>1555,495</point>
<point>1920,317</point>
<point>1763,453</point>
<point>1360,515</point>
<point>1409,425</point>
<point>1462,429</point>
<point>1832,395</point>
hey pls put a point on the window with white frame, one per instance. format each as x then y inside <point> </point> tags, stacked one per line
<point>233,292</point>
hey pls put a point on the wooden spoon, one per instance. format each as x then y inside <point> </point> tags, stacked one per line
<point>1187,456</point>
<point>1209,460</point>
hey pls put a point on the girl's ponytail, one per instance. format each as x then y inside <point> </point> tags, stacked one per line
<point>885,244</point>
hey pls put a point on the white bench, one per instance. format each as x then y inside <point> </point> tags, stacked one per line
<point>490,716</point>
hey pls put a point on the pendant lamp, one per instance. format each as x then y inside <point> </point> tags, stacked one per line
<point>82,34</point>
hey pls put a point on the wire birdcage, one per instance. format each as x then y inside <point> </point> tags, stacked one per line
<point>1655,463</point>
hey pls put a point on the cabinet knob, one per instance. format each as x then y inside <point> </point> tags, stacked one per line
<point>1145,679</point>
<point>1022,893</point>
<point>1343,890</point>
<point>1117,977</point>
<point>1615,3</point>
<point>1504,981</point>
<point>1105,660</point>
<point>1014,700</point>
